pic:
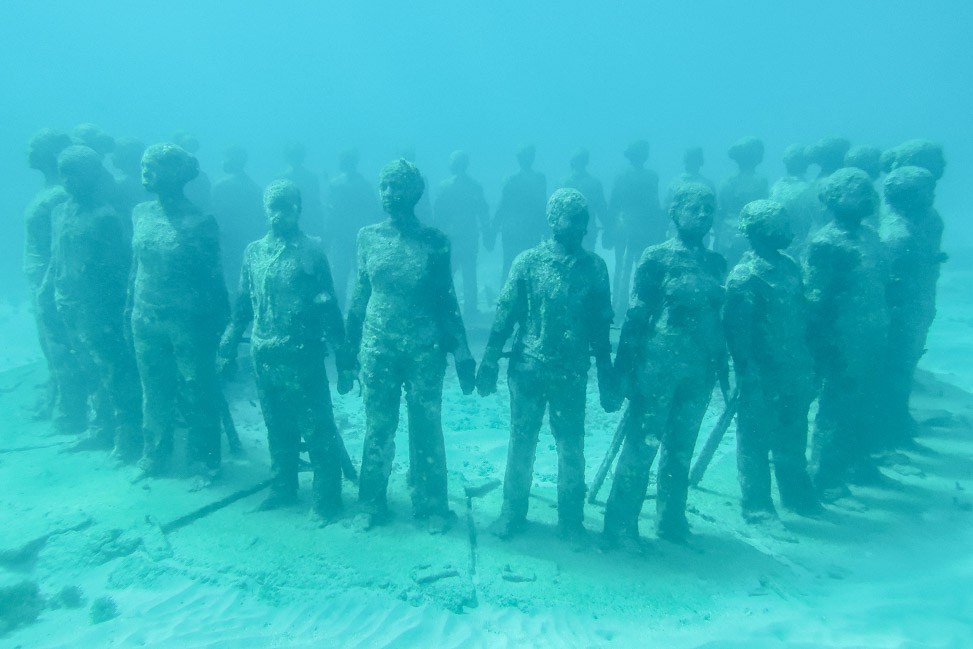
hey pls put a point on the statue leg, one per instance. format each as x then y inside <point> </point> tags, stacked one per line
<point>424,399</point>
<point>381,391</point>
<point>567,408</point>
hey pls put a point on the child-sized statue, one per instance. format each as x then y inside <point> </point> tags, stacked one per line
<point>90,257</point>
<point>845,279</point>
<point>736,191</point>
<point>403,320</point>
<point>287,293</point>
<point>798,197</point>
<point>912,231</point>
<point>765,320</point>
<point>558,297</point>
<point>670,354</point>
<point>179,310</point>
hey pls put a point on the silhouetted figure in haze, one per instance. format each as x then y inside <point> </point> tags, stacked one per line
<point>558,298</point>
<point>845,280</point>
<point>237,208</point>
<point>765,320</point>
<point>424,206</point>
<point>312,212</point>
<point>461,213</point>
<point>353,206</point>
<point>744,186</point>
<point>912,232</point>
<point>829,155</point>
<point>798,196</point>
<point>403,319</point>
<point>287,294</point>
<point>63,399</point>
<point>594,193</point>
<point>179,311</point>
<point>129,192</point>
<point>199,190</point>
<point>635,216</point>
<point>916,153</point>
<point>670,353</point>
<point>89,270</point>
<point>519,219</point>
<point>867,158</point>
<point>692,162</point>
<point>94,138</point>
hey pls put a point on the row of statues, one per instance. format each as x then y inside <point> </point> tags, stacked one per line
<point>135,318</point>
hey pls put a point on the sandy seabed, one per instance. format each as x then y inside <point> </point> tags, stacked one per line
<point>888,567</point>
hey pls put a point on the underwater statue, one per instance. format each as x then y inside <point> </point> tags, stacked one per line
<point>179,309</point>
<point>765,320</point>
<point>287,294</point>
<point>89,270</point>
<point>312,210</point>
<point>402,321</point>
<point>129,192</point>
<point>829,155</point>
<point>916,153</point>
<point>94,138</point>
<point>461,213</point>
<point>744,186</point>
<point>692,161</point>
<point>69,411</point>
<point>670,354</point>
<point>519,219</point>
<point>845,275</point>
<point>912,231</point>
<point>353,206</point>
<point>199,190</point>
<point>635,217</point>
<point>798,196</point>
<point>558,297</point>
<point>237,208</point>
<point>594,193</point>
<point>867,158</point>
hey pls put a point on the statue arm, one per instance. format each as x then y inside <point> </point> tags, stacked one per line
<point>361,293</point>
<point>646,302</point>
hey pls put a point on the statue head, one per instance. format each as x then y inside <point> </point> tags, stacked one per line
<point>637,152</point>
<point>167,167</point>
<point>579,160</point>
<point>127,155</point>
<point>43,149</point>
<point>829,153</point>
<point>567,215</point>
<point>692,160</point>
<point>692,210</point>
<point>916,153</point>
<point>93,137</point>
<point>747,152</point>
<point>525,156</point>
<point>459,162</point>
<point>187,141</point>
<point>866,158</point>
<point>81,171</point>
<point>849,195</point>
<point>766,225</point>
<point>282,205</point>
<point>910,190</point>
<point>235,159</point>
<point>400,186</point>
<point>796,161</point>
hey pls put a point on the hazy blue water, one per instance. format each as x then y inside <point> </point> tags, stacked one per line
<point>485,77</point>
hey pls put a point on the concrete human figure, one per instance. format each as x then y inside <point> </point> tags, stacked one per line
<point>237,208</point>
<point>312,210</point>
<point>558,297</point>
<point>199,190</point>
<point>744,186</point>
<point>911,231</point>
<point>461,212</point>
<point>179,310</point>
<point>692,161</point>
<point>846,273</point>
<point>798,196</point>
<point>916,153</point>
<point>93,137</point>
<point>867,158</point>
<point>670,354</point>
<point>519,219</point>
<point>88,277</point>
<point>126,157</point>
<point>287,294</point>
<point>424,207</point>
<point>829,155</point>
<point>593,191</point>
<point>402,321</point>
<point>353,206</point>
<point>635,216</point>
<point>62,399</point>
<point>765,320</point>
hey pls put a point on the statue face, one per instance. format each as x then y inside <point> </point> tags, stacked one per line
<point>283,215</point>
<point>397,194</point>
<point>156,177</point>
<point>694,217</point>
<point>856,201</point>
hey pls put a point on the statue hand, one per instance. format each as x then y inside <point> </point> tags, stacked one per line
<point>609,390</point>
<point>466,372</point>
<point>486,378</point>
<point>346,381</point>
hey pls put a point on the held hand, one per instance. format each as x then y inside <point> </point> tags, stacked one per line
<point>466,372</point>
<point>609,390</point>
<point>346,381</point>
<point>486,378</point>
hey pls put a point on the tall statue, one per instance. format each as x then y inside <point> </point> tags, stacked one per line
<point>692,161</point>
<point>558,298</point>
<point>402,321</point>
<point>798,196</point>
<point>236,206</point>
<point>287,294</point>
<point>353,206</point>
<point>593,191</point>
<point>519,219</point>
<point>179,309</point>
<point>736,191</point>
<point>765,320</point>
<point>670,354</point>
